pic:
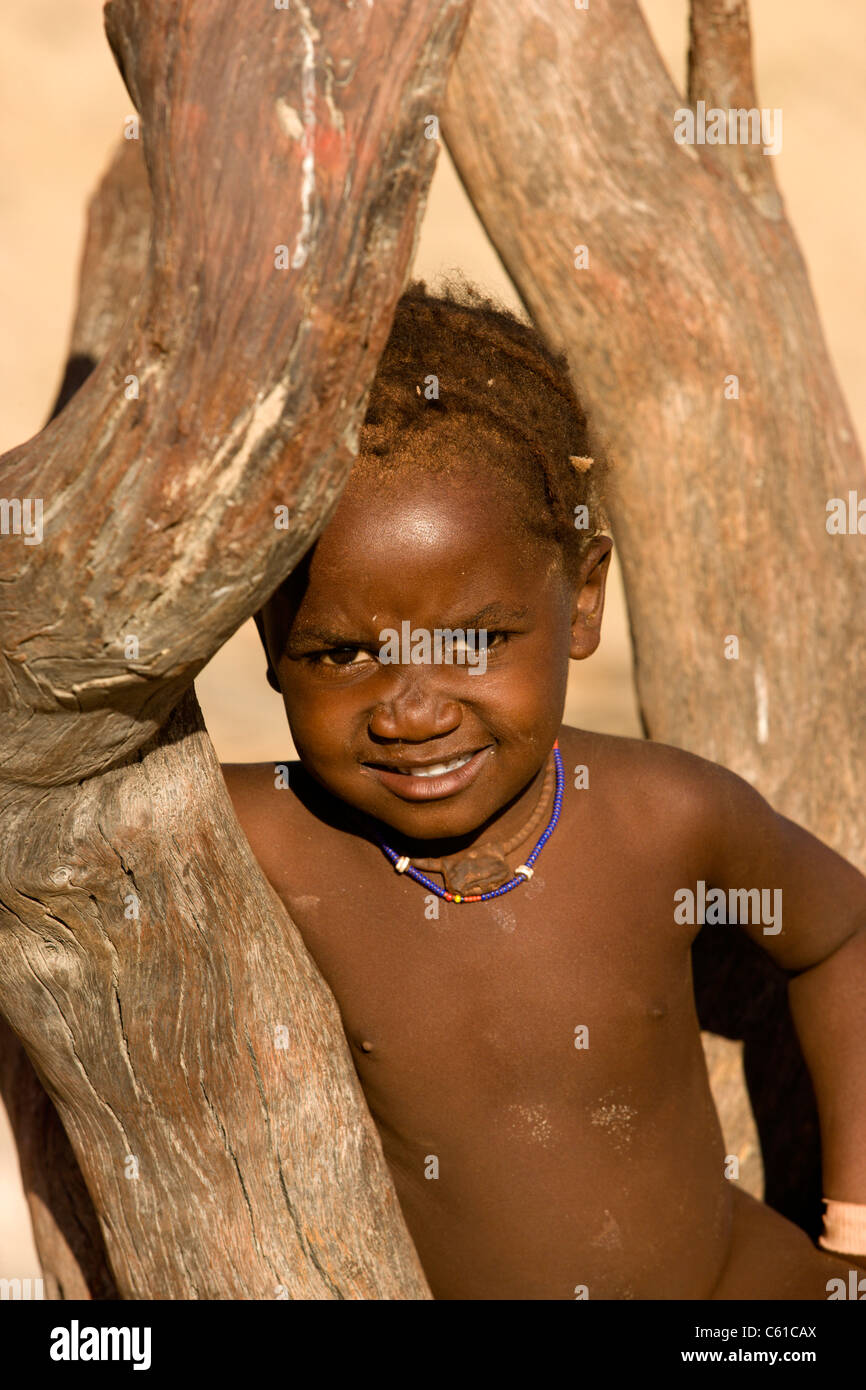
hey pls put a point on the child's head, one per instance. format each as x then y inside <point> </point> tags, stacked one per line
<point>473,504</point>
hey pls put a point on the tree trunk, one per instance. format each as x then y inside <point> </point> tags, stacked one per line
<point>167,1004</point>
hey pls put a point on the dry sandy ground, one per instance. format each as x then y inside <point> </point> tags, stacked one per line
<point>62,106</point>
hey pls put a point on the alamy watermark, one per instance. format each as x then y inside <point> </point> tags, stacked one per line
<point>734,126</point>
<point>740,905</point>
<point>22,516</point>
<point>421,646</point>
<point>24,1289</point>
<point>846,519</point>
<point>77,1343</point>
<point>855,1290</point>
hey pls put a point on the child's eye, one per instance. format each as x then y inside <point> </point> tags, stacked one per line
<point>344,656</point>
<point>468,650</point>
<point>341,658</point>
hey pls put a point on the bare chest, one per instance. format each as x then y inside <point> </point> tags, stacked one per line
<point>544,995</point>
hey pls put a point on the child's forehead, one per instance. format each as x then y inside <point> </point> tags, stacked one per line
<point>443,541</point>
<point>450,480</point>
<point>458,516</point>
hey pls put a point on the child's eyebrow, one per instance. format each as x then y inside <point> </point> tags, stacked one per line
<point>327,637</point>
<point>491,615</point>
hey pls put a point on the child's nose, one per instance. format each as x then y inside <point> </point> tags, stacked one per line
<point>416,709</point>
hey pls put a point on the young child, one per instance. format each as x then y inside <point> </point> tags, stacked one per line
<point>531,1057</point>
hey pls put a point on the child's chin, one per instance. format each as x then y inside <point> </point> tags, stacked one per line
<point>434,820</point>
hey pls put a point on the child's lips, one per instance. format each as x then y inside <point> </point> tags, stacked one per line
<point>412,787</point>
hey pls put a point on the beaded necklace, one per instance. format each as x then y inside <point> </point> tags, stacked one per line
<point>485,865</point>
<point>523,872</point>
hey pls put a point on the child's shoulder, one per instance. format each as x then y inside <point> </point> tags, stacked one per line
<point>643,762</point>
<point>247,783</point>
<point>657,784</point>
<point>642,788</point>
<point>261,794</point>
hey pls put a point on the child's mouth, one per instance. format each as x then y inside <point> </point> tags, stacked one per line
<point>429,781</point>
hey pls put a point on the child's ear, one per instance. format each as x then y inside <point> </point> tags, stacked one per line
<point>588,601</point>
<point>270,672</point>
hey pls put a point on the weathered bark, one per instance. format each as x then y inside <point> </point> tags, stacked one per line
<point>65,1225</point>
<point>719,510</point>
<point>145,964</point>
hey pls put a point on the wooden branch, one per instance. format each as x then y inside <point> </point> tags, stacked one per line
<point>65,1226</point>
<point>113,264</point>
<point>193,1053</point>
<point>721,75</point>
<point>690,292</point>
<point>324,158</point>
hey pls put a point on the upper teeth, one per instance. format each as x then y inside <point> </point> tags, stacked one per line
<point>438,768</point>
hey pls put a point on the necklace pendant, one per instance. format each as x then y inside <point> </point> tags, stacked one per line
<point>475,871</point>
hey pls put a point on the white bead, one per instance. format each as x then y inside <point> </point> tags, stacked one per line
<point>525,870</point>
<point>402,864</point>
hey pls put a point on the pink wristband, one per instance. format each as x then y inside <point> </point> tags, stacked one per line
<point>844,1227</point>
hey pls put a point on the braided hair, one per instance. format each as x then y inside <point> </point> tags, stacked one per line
<point>462,378</point>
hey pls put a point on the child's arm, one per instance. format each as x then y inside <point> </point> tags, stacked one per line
<point>822,942</point>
